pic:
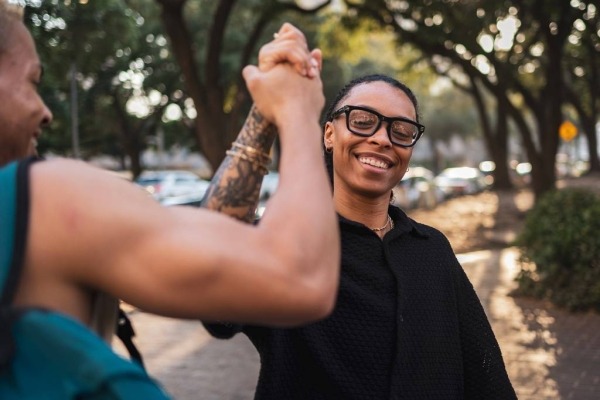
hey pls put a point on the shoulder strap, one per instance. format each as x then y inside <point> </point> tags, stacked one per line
<point>7,221</point>
<point>126,333</point>
<point>14,217</point>
<point>14,209</point>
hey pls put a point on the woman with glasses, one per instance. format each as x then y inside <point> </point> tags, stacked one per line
<point>407,323</point>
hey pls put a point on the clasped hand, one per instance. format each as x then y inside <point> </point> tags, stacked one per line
<point>286,83</point>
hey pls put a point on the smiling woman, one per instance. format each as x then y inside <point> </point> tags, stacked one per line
<point>407,322</point>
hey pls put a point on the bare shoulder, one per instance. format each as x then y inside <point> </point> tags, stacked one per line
<point>75,174</point>
<point>81,217</point>
<point>66,189</point>
<point>92,229</point>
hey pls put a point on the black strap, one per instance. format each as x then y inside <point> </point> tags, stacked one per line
<point>126,333</point>
<point>7,343</point>
<point>20,237</point>
<point>7,313</point>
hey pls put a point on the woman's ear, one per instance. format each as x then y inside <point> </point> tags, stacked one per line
<point>328,135</point>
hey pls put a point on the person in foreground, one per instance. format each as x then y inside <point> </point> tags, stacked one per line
<point>79,233</point>
<point>407,322</point>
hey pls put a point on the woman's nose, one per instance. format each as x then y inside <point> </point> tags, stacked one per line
<point>46,117</point>
<point>381,135</point>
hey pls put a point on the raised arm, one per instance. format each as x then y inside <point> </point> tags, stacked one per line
<point>90,230</point>
<point>235,187</point>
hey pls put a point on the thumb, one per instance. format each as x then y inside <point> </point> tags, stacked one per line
<point>316,61</point>
<point>317,55</point>
<point>250,73</point>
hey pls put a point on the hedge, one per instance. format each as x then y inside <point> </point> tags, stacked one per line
<point>560,250</point>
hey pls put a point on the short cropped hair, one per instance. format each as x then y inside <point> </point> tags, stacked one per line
<point>10,13</point>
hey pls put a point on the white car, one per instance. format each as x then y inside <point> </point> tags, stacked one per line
<point>267,189</point>
<point>417,189</point>
<point>269,185</point>
<point>172,187</point>
<point>460,181</point>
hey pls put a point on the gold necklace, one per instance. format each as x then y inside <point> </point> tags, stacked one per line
<point>387,222</point>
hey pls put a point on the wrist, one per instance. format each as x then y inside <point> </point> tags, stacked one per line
<point>257,132</point>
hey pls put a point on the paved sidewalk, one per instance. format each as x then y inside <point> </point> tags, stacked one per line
<point>191,364</point>
<point>550,354</point>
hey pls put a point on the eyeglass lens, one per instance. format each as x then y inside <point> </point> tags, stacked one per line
<point>363,122</point>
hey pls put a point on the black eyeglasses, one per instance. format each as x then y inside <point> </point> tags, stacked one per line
<point>363,121</point>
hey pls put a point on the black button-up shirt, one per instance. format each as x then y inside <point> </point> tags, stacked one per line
<point>407,325</point>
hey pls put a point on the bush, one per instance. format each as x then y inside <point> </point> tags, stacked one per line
<point>560,250</point>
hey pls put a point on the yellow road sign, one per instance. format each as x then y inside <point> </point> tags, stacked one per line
<point>567,131</point>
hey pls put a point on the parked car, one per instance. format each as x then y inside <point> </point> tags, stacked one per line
<point>417,189</point>
<point>459,181</point>
<point>267,189</point>
<point>523,173</point>
<point>174,187</point>
<point>488,168</point>
<point>269,185</point>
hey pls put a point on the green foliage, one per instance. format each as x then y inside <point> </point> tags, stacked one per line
<point>122,60</point>
<point>81,35</point>
<point>560,250</point>
<point>352,48</point>
<point>450,112</point>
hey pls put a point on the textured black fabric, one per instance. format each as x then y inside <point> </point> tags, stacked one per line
<point>407,325</point>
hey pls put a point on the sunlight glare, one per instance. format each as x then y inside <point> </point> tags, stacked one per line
<point>486,42</point>
<point>507,28</point>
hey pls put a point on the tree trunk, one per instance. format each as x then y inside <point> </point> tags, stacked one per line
<point>129,138</point>
<point>499,154</point>
<point>208,124</point>
<point>588,123</point>
<point>589,130</point>
<point>497,144</point>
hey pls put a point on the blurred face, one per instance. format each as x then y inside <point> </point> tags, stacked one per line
<point>369,166</point>
<point>22,111</point>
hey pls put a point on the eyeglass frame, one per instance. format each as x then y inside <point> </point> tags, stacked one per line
<point>381,118</point>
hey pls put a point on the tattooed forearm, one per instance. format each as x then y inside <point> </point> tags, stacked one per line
<point>257,132</point>
<point>235,187</point>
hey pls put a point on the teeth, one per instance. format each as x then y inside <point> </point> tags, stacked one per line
<point>374,162</point>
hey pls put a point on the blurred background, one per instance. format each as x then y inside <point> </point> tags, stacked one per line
<point>510,88</point>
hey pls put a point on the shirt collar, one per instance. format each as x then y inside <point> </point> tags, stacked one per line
<point>402,224</point>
